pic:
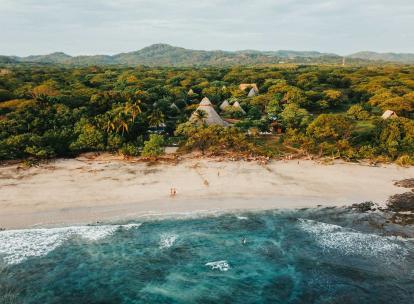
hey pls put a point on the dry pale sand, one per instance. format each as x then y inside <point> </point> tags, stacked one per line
<point>75,191</point>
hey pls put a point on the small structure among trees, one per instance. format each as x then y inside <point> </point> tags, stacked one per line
<point>389,114</point>
<point>4,72</point>
<point>252,93</point>
<point>205,114</point>
<point>237,107</point>
<point>224,105</point>
<point>244,86</point>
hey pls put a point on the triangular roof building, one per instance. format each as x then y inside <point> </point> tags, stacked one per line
<point>173,106</point>
<point>224,105</point>
<point>212,118</point>
<point>252,93</point>
<point>237,106</point>
<point>389,114</point>
<point>244,86</point>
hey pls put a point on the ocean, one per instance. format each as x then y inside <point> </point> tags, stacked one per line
<point>322,255</point>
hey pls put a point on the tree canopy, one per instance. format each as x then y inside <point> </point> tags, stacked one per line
<point>52,110</point>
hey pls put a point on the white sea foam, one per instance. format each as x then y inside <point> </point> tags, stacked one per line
<point>219,265</point>
<point>167,240</point>
<point>351,242</point>
<point>18,245</point>
<point>242,218</point>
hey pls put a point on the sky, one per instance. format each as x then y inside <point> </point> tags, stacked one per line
<point>85,27</point>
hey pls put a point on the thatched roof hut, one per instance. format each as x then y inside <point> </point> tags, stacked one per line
<point>252,93</point>
<point>211,116</point>
<point>173,106</point>
<point>389,114</point>
<point>237,106</point>
<point>245,86</point>
<point>4,72</point>
<point>224,105</point>
<point>190,92</point>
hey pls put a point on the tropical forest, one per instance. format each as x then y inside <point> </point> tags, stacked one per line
<point>333,111</point>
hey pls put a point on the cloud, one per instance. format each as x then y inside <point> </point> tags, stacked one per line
<point>111,26</point>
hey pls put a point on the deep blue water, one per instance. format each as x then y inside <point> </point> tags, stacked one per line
<point>303,256</point>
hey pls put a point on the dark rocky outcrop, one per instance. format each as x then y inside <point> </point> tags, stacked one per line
<point>401,202</point>
<point>405,183</point>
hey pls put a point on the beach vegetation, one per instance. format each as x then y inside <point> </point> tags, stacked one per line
<point>213,139</point>
<point>154,146</point>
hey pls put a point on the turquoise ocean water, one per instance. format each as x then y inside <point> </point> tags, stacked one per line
<point>303,256</point>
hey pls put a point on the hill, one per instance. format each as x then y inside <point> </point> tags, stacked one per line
<point>6,60</point>
<point>387,57</point>
<point>167,55</point>
<point>57,57</point>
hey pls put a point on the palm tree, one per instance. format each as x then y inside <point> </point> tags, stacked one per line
<point>121,117</point>
<point>122,125</point>
<point>117,120</point>
<point>156,118</point>
<point>109,124</point>
<point>200,116</point>
<point>133,109</point>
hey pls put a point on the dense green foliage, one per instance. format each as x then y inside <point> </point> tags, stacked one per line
<point>154,146</point>
<point>49,111</point>
<point>213,139</point>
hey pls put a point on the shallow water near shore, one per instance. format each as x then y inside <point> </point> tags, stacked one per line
<point>325,255</point>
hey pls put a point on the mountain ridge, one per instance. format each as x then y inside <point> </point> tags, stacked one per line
<point>162,54</point>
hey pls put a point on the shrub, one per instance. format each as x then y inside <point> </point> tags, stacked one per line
<point>330,128</point>
<point>295,117</point>
<point>25,145</point>
<point>154,146</point>
<point>357,112</point>
<point>115,141</point>
<point>213,139</point>
<point>405,161</point>
<point>294,138</point>
<point>89,137</point>
<point>395,136</point>
<point>129,149</point>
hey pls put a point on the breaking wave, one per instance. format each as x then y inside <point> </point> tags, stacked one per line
<point>219,265</point>
<point>167,240</point>
<point>18,245</point>
<point>350,242</point>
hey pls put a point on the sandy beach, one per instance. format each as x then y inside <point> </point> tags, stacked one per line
<point>82,191</point>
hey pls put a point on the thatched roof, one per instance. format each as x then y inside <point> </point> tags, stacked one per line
<point>212,118</point>
<point>4,72</point>
<point>224,105</point>
<point>245,86</point>
<point>205,102</point>
<point>237,106</point>
<point>173,106</point>
<point>252,93</point>
<point>190,92</point>
<point>389,114</point>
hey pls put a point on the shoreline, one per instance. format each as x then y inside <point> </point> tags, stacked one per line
<point>84,191</point>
